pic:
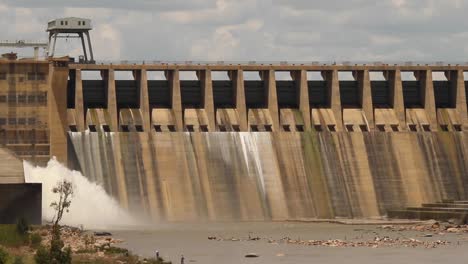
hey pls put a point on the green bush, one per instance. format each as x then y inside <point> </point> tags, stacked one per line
<point>115,250</point>
<point>42,256</point>
<point>36,240</point>
<point>18,260</point>
<point>57,253</point>
<point>22,227</point>
<point>3,256</point>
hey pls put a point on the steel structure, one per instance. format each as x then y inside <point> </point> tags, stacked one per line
<point>25,44</point>
<point>71,27</point>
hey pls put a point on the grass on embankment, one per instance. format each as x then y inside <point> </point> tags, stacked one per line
<point>10,237</point>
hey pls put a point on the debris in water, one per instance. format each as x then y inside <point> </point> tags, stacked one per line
<point>102,234</point>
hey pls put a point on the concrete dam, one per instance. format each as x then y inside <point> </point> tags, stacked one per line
<point>240,149</point>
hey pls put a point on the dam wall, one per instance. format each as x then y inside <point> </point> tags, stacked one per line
<point>224,176</point>
<point>282,145</point>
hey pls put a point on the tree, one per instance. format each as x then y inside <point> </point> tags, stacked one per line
<point>65,190</point>
<point>57,254</point>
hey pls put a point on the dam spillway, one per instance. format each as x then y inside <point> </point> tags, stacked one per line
<point>239,149</point>
<point>274,176</point>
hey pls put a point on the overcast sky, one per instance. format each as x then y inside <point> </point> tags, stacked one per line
<point>249,30</point>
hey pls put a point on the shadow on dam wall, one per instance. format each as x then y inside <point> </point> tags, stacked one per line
<point>273,176</point>
<point>20,201</point>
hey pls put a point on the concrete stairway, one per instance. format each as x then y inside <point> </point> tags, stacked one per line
<point>442,211</point>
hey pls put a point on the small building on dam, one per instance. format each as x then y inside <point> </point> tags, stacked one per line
<point>273,148</point>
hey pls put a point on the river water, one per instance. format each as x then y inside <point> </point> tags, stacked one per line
<point>191,240</point>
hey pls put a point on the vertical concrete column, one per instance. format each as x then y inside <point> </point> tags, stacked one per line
<point>300,77</point>
<point>427,96</point>
<point>144,99</point>
<point>79,102</point>
<point>333,86</point>
<point>461,99</point>
<point>237,78</point>
<point>112,110</point>
<point>57,105</point>
<point>176,98</point>
<point>458,96</point>
<point>207,91</point>
<point>272,97</point>
<point>365,93</point>
<point>396,96</point>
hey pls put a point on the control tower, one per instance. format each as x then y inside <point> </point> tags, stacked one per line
<point>71,27</point>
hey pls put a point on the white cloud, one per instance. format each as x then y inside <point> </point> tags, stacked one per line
<point>397,30</point>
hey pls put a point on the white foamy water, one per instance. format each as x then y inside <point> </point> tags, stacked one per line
<point>90,206</point>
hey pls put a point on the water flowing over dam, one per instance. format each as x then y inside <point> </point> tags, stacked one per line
<point>273,176</point>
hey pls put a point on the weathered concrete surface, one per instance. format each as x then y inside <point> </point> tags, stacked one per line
<point>57,106</point>
<point>11,168</point>
<point>275,176</point>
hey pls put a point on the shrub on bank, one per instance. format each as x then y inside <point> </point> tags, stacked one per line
<point>3,256</point>
<point>22,227</point>
<point>10,237</point>
<point>18,260</point>
<point>36,240</point>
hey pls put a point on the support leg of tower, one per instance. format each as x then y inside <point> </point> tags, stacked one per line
<point>84,46</point>
<point>90,47</point>
<point>53,48</point>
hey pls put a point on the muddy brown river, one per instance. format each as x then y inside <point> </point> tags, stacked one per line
<point>232,244</point>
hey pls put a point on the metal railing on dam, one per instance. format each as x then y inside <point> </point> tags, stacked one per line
<point>279,63</point>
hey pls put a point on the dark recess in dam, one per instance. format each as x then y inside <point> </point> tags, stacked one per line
<point>191,94</point>
<point>442,94</point>
<point>127,94</point>
<point>318,94</point>
<point>349,93</point>
<point>127,91</point>
<point>16,197</point>
<point>255,94</point>
<point>381,94</point>
<point>159,94</point>
<point>223,94</point>
<point>287,94</point>
<point>412,94</point>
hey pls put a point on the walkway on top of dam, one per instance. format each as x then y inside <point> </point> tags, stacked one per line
<point>275,65</point>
